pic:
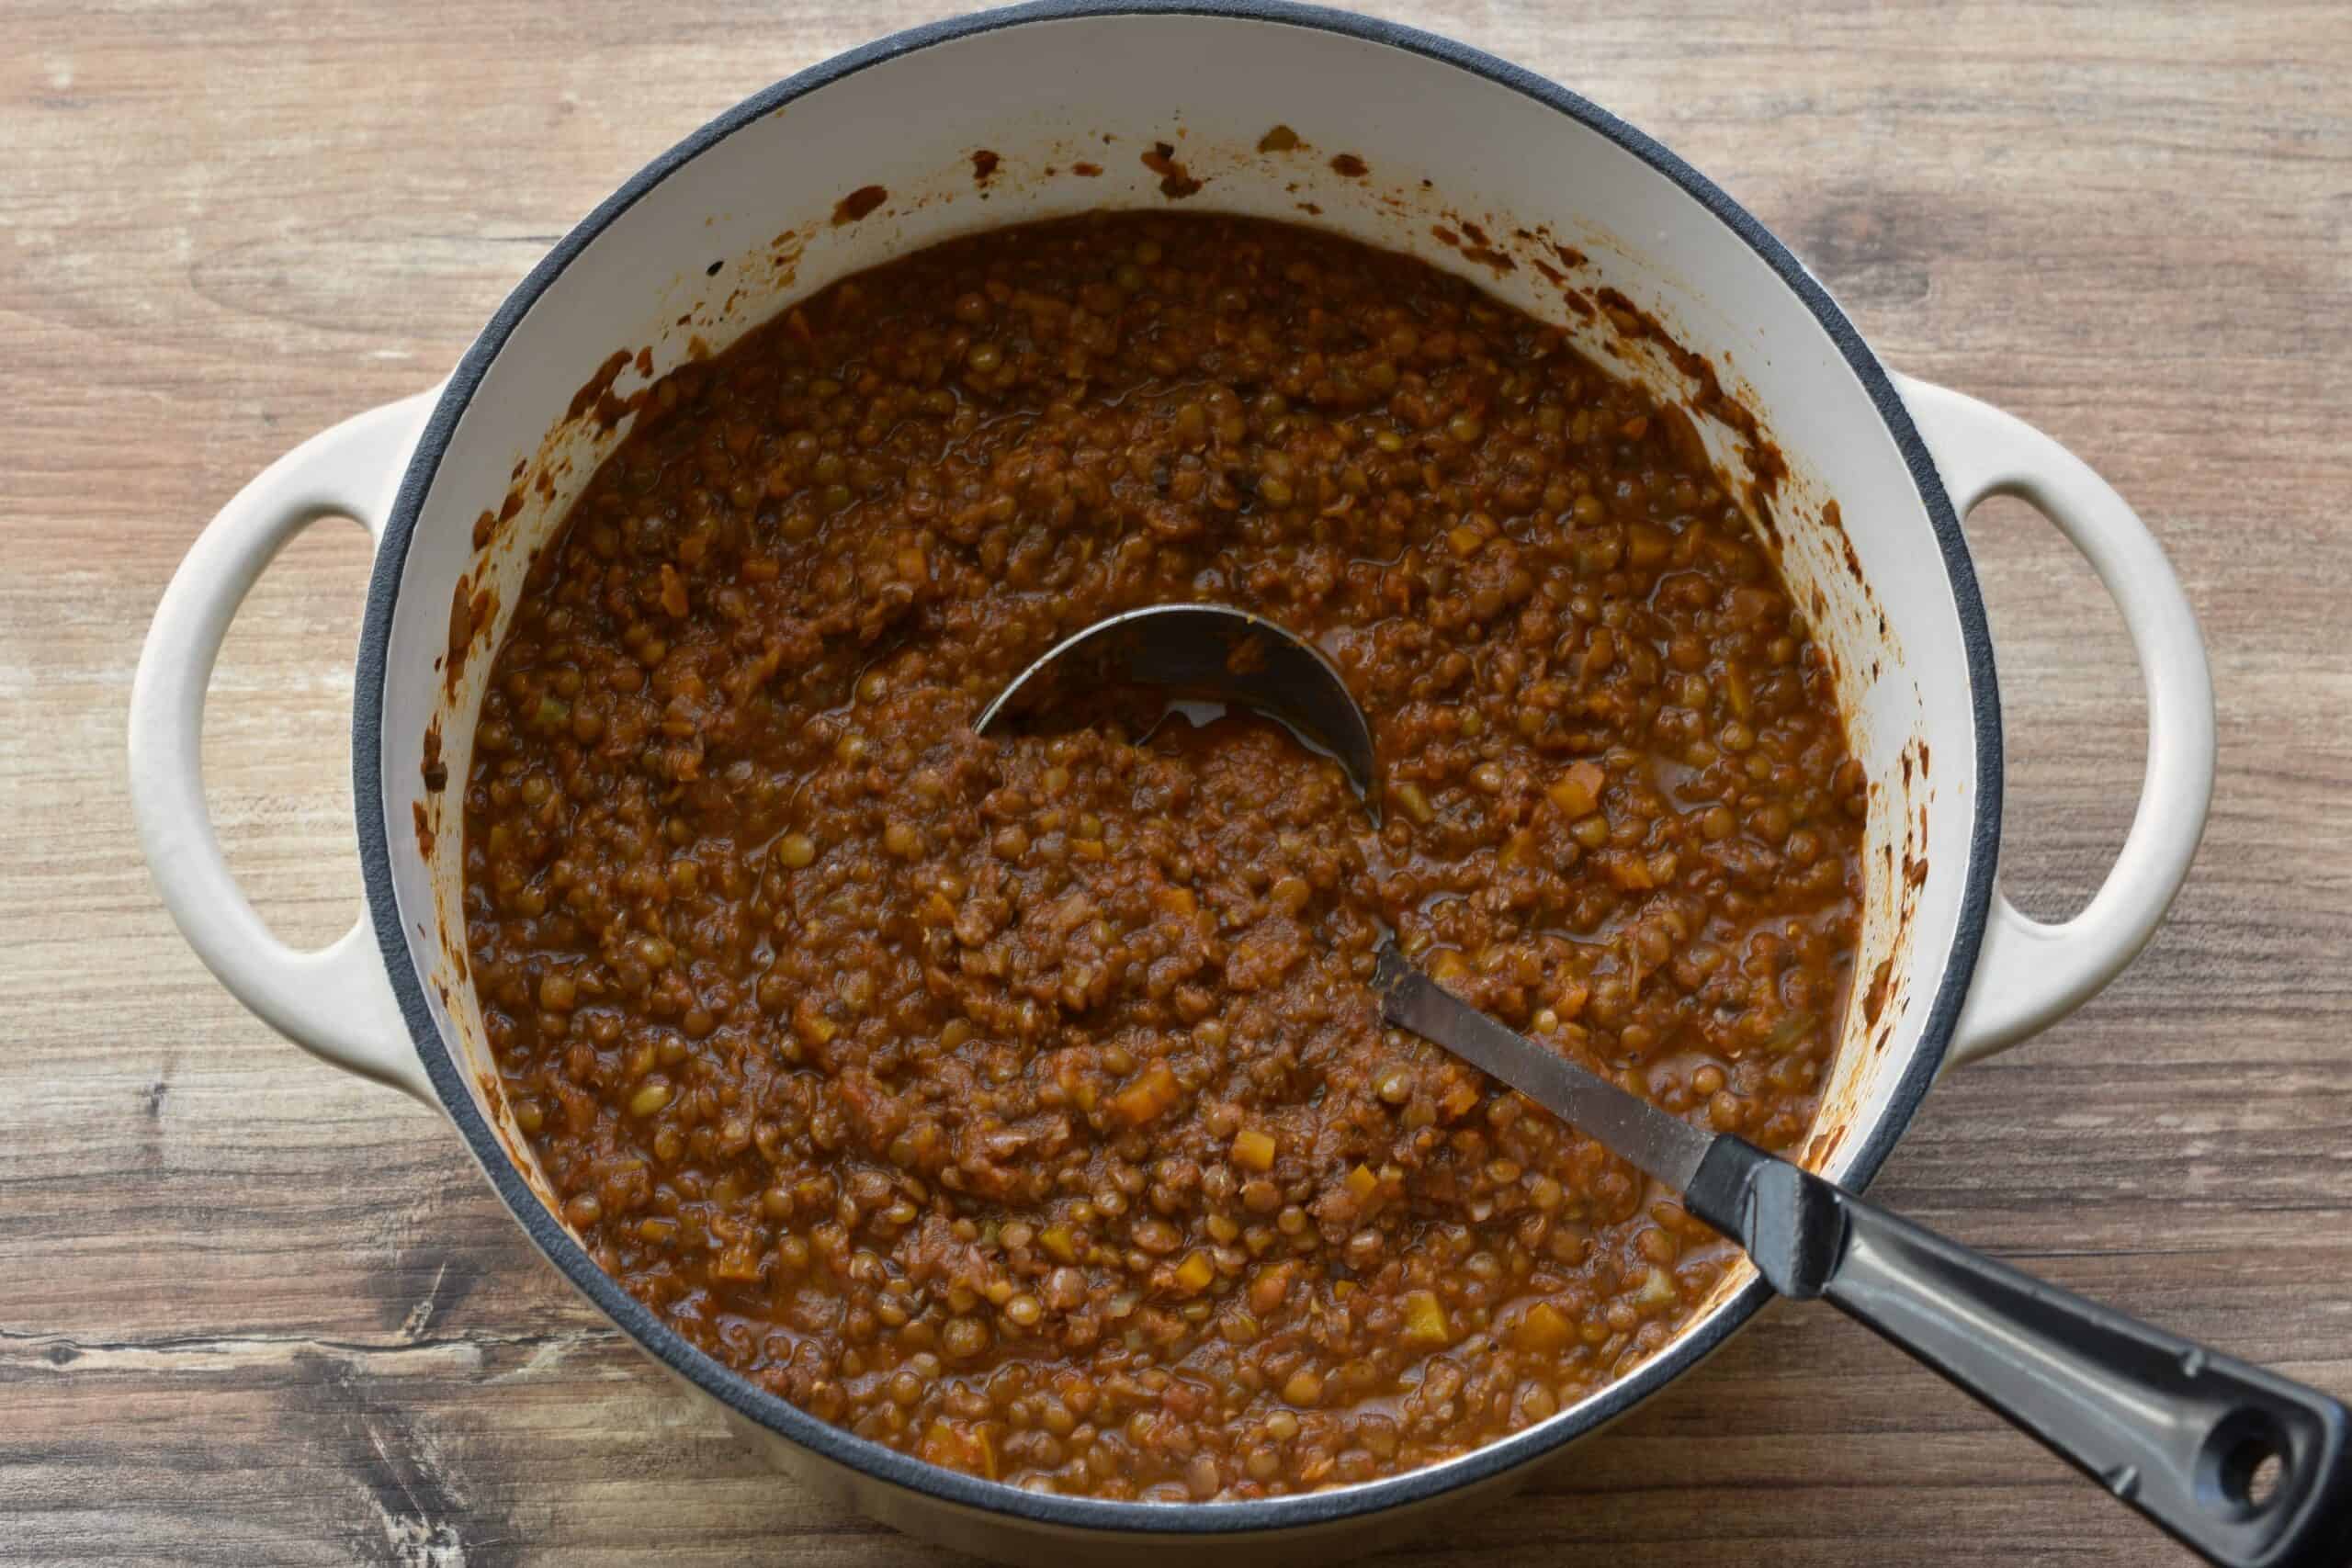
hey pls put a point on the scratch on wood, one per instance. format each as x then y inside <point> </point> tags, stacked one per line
<point>420,1315</point>
<point>212,1353</point>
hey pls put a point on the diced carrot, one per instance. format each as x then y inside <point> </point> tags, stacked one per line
<point>1253,1149</point>
<point>1544,1329</point>
<point>1267,1291</point>
<point>1195,1272</point>
<point>1153,1093</point>
<point>1425,1322</point>
<point>954,1446</point>
<point>1576,791</point>
<point>811,1023</point>
<point>1629,874</point>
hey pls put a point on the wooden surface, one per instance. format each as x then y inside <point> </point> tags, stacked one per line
<point>256,1312</point>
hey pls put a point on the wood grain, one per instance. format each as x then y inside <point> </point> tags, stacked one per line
<point>253,1312</point>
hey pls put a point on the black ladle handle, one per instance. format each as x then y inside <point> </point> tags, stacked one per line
<point>2244,1467</point>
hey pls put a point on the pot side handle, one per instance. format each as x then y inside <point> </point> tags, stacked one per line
<point>2030,974</point>
<point>333,1002</point>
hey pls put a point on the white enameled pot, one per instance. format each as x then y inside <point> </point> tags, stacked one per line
<point>1404,135</point>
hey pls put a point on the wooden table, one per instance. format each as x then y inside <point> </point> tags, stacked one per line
<point>255,1312</point>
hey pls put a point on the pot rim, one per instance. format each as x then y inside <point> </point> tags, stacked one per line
<point>873,1460</point>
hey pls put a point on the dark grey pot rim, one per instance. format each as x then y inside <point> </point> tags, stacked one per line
<point>1083,1514</point>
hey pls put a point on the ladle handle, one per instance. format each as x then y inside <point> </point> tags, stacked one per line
<point>2245,1468</point>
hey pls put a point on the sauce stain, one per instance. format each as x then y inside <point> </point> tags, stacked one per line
<point>1765,460</point>
<point>435,771</point>
<point>1472,244</point>
<point>487,526</point>
<point>470,611</point>
<point>857,204</point>
<point>1874,1000</point>
<point>592,391</point>
<point>1176,182</point>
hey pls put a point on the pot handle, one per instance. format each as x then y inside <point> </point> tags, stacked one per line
<point>333,1002</point>
<point>2030,974</point>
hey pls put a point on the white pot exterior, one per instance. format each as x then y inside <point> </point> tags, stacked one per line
<point>1446,136</point>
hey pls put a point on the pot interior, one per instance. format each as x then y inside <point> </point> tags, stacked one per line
<point>1575,220</point>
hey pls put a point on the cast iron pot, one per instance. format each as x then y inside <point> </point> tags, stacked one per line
<point>1550,203</point>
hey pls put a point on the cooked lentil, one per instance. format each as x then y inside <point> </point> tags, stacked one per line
<point>1020,1104</point>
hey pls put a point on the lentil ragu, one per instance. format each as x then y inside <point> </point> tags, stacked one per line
<point>1022,1104</point>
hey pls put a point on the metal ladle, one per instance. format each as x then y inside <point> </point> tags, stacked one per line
<point>2245,1468</point>
<point>1206,655</point>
